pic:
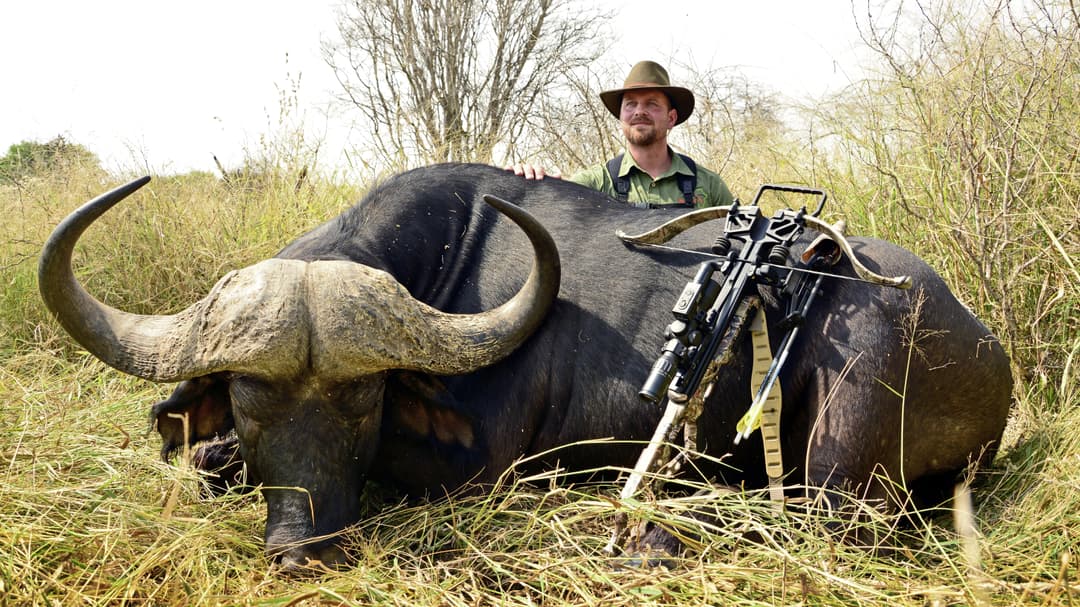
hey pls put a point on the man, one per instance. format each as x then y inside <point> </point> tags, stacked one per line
<point>648,173</point>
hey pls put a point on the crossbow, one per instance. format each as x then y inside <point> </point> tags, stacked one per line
<point>752,251</point>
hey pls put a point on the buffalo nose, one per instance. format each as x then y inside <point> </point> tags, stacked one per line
<point>309,559</point>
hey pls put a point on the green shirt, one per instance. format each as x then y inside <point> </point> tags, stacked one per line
<point>710,191</point>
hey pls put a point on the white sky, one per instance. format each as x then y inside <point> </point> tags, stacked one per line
<point>162,86</point>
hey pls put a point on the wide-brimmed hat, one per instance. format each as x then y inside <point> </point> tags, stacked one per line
<point>650,75</point>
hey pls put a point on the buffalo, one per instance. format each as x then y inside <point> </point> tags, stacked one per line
<point>419,341</point>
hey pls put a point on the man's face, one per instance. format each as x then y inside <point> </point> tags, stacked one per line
<point>646,116</point>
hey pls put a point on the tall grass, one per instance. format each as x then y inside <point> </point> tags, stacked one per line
<point>156,253</point>
<point>83,499</point>
<point>963,150</point>
<point>87,517</point>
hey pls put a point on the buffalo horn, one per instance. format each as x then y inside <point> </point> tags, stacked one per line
<point>280,316</point>
<point>128,342</point>
<point>404,333</point>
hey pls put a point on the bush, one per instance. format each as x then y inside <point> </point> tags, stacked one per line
<point>30,158</point>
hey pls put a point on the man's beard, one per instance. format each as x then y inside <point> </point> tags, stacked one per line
<point>643,138</point>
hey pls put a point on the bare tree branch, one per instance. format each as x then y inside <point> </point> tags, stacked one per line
<point>452,80</point>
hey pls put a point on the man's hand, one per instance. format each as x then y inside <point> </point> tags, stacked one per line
<point>533,171</point>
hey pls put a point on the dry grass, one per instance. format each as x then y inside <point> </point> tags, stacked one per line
<point>974,168</point>
<point>83,498</point>
<point>89,515</point>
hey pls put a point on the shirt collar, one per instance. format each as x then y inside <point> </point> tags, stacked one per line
<point>677,165</point>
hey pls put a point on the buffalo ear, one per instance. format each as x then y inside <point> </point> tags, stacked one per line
<point>420,405</point>
<point>206,404</point>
